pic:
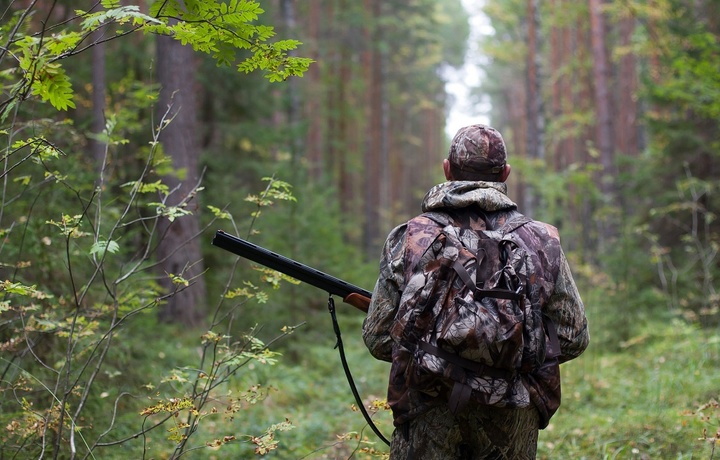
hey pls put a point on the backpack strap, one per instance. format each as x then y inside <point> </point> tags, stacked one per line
<point>553,346</point>
<point>553,349</point>
<point>443,219</point>
<point>461,392</point>
<point>514,223</point>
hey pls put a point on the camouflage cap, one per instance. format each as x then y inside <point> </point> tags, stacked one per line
<point>478,149</point>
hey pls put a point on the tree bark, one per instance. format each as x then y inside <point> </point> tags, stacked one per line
<point>178,246</point>
<point>292,107</point>
<point>313,114</point>
<point>374,144</point>
<point>98,98</point>
<point>627,128</point>
<point>601,75</point>
<point>536,119</point>
<point>342,112</point>
<point>604,134</point>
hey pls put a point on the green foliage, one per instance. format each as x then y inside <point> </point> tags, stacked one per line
<point>312,391</point>
<point>642,396</point>
<point>673,187</point>
<point>662,254</point>
<point>218,29</point>
<point>222,29</point>
<point>102,313</point>
<point>551,188</point>
<point>79,241</point>
<point>645,400</point>
<point>688,268</point>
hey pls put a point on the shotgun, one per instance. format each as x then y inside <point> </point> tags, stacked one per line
<point>352,295</point>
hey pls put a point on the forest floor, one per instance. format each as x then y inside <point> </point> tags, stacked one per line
<point>651,399</point>
<point>653,396</point>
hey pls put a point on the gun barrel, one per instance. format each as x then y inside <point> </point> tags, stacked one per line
<point>292,268</point>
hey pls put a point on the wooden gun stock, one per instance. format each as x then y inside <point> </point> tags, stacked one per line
<point>352,295</point>
<point>358,301</point>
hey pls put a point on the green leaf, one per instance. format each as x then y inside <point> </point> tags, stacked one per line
<point>153,187</point>
<point>53,85</point>
<point>22,289</point>
<point>100,247</point>
<point>120,15</point>
<point>219,213</point>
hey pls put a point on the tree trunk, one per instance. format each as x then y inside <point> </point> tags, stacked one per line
<point>627,129</point>
<point>342,112</point>
<point>178,244</point>
<point>601,73</point>
<point>374,144</point>
<point>292,106</point>
<point>607,228</point>
<point>536,120</point>
<point>313,114</point>
<point>98,98</point>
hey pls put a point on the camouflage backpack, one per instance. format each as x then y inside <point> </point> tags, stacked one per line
<point>466,318</point>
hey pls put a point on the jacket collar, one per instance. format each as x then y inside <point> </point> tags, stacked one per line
<point>489,196</point>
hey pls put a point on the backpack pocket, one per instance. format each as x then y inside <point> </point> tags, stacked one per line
<point>486,332</point>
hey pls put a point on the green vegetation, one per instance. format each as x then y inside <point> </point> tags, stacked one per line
<point>653,395</point>
<point>88,369</point>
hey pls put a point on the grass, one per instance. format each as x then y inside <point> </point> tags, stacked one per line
<point>638,399</point>
<point>640,402</point>
<point>307,386</point>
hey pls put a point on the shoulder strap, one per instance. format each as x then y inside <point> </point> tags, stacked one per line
<point>441,218</point>
<point>514,223</point>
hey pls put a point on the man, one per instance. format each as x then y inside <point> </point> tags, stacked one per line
<point>425,426</point>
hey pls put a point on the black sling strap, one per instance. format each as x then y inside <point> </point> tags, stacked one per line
<point>346,368</point>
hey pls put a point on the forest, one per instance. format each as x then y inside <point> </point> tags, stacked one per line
<point>132,130</point>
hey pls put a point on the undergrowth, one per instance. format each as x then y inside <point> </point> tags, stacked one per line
<point>655,398</point>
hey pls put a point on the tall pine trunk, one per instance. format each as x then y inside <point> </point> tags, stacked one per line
<point>601,75</point>
<point>313,105</point>
<point>178,244</point>
<point>535,116</point>
<point>604,135</point>
<point>374,144</point>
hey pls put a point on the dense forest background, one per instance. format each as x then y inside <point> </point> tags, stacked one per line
<point>133,130</point>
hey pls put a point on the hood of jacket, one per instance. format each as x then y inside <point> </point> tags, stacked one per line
<point>489,196</point>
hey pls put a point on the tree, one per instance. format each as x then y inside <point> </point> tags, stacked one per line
<point>375,146</point>
<point>178,246</point>
<point>375,104</point>
<point>74,273</point>
<point>535,108</point>
<point>604,138</point>
<point>178,106</point>
<point>98,96</point>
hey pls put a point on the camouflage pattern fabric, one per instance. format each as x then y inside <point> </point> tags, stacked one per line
<point>555,291</point>
<point>476,152</point>
<point>447,336</point>
<point>495,434</point>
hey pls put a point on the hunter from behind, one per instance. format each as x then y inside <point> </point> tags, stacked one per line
<point>475,307</point>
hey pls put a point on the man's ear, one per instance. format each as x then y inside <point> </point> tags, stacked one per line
<point>446,169</point>
<point>505,173</point>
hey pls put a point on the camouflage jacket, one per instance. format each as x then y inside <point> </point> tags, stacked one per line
<point>480,205</point>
